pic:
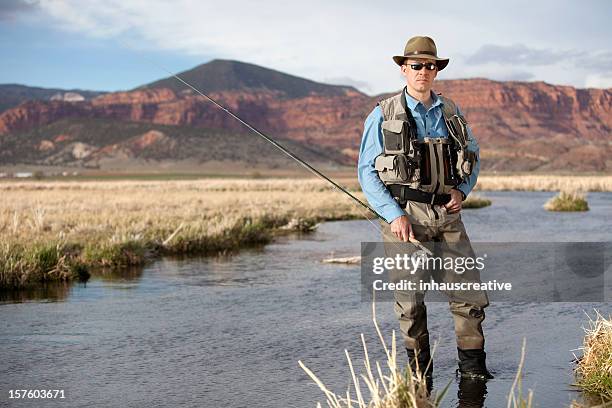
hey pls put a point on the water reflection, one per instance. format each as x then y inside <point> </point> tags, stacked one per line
<point>471,393</point>
<point>130,274</point>
<point>51,292</point>
<point>60,291</point>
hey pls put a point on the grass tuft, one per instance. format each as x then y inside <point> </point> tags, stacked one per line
<point>567,201</point>
<point>594,368</point>
<point>475,201</point>
<point>386,384</point>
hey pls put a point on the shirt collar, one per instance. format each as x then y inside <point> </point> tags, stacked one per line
<point>413,103</point>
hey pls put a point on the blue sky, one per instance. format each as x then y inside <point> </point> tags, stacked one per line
<point>116,44</point>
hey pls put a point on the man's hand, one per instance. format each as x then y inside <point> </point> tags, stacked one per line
<point>454,205</point>
<point>402,229</point>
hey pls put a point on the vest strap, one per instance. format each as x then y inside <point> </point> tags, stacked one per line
<point>404,194</point>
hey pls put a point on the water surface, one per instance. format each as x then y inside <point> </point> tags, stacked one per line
<point>228,331</point>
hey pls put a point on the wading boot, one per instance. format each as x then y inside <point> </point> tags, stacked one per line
<point>472,364</point>
<point>425,365</point>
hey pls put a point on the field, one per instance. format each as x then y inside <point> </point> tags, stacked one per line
<point>60,230</point>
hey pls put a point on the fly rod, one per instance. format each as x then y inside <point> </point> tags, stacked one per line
<point>290,154</point>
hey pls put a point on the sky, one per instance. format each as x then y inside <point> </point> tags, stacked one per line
<point>112,45</point>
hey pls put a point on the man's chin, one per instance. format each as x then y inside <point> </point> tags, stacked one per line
<point>421,88</point>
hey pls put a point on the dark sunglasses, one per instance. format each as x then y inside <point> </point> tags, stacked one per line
<point>417,66</point>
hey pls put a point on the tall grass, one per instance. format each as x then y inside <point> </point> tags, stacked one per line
<point>475,201</point>
<point>542,182</point>
<point>594,368</point>
<point>567,201</point>
<point>127,222</point>
<point>386,385</point>
<point>516,399</point>
<point>58,230</point>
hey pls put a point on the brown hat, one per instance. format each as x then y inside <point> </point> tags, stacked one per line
<point>421,47</point>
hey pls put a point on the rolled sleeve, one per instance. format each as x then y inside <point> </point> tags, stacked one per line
<point>376,192</point>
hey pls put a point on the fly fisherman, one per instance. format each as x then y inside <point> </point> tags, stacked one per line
<point>418,161</point>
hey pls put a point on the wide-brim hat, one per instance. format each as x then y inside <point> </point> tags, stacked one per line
<point>421,47</point>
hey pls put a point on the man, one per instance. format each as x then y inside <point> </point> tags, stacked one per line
<point>418,161</point>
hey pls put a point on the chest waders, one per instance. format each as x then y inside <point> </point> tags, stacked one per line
<point>424,170</point>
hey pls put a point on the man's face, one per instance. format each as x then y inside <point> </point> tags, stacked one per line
<point>421,80</point>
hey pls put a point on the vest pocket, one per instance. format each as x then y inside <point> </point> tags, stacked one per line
<point>395,168</point>
<point>394,136</point>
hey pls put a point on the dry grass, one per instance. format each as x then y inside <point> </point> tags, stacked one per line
<point>544,183</point>
<point>567,201</point>
<point>475,201</point>
<point>387,386</point>
<point>516,399</point>
<point>594,368</point>
<point>534,182</point>
<point>56,230</point>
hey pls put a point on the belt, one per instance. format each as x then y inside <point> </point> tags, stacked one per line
<point>404,194</point>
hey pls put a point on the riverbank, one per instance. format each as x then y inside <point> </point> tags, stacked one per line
<point>64,230</point>
<point>58,231</point>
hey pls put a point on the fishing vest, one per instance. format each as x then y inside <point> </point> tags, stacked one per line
<point>434,165</point>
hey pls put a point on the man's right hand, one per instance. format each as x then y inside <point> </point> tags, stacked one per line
<point>402,229</point>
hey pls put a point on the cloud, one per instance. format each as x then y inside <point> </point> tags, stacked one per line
<point>595,61</point>
<point>9,9</point>
<point>363,85</point>
<point>313,39</point>
<point>513,76</point>
<point>515,54</point>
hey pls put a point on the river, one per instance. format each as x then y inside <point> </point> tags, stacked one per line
<point>229,331</point>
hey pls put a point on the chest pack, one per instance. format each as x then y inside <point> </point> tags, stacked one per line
<point>422,170</point>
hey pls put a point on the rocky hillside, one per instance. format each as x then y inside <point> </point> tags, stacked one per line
<point>116,145</point>
<point>519,125</point>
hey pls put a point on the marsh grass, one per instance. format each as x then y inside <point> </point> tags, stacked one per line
<point>475,201</point>
<point>594,368</point>
<point>516,399</point>
<point>386,384</point>
<point>83,225</point>
<point>543,182</point>
<point>388,387</point>
<point>567,201</point>
<point>60,231</point>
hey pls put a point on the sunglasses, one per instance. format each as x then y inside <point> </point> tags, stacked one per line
<point>417,66</point>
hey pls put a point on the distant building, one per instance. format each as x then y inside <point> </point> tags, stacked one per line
<point>24,175</point>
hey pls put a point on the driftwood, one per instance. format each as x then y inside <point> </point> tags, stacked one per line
<point>347,260</point>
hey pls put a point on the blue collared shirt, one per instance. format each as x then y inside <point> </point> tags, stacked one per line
<point>430,123</point>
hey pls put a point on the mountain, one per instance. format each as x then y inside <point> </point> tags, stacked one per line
<point>520,126</point>
<point>226,75</point>
<point>12,95</point>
